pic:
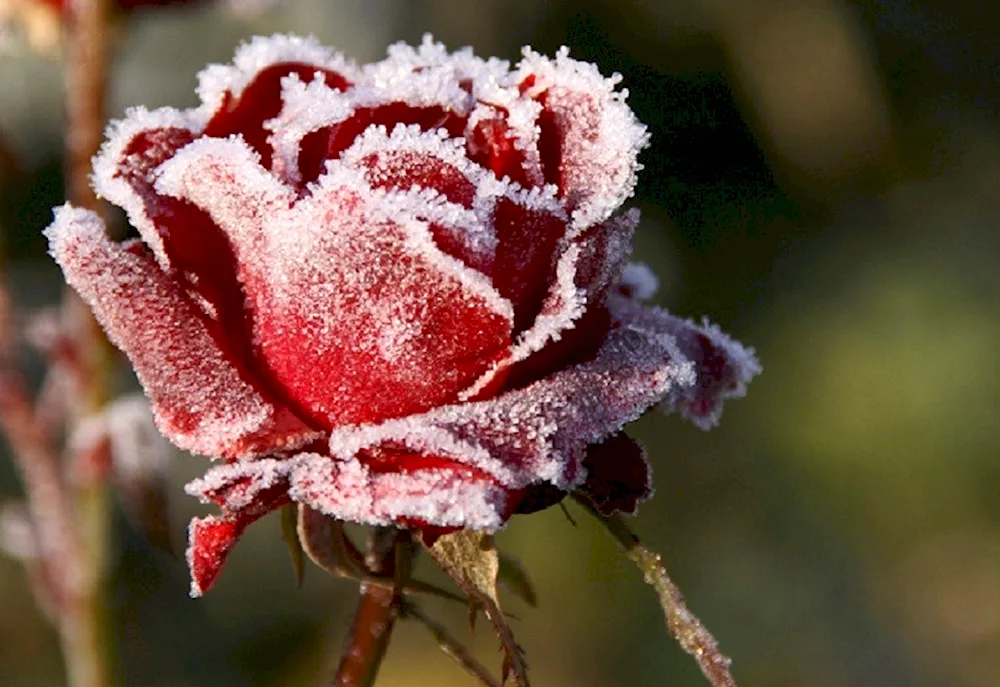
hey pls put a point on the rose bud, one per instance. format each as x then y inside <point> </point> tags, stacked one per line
<point>393,293</point>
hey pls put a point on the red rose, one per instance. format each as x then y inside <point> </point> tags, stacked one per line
<point>393,293</point>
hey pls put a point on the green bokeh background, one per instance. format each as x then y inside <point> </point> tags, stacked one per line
<point>823,182</point>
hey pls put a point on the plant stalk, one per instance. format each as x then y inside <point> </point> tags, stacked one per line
<point>389,555</point>
<point>84,627</point>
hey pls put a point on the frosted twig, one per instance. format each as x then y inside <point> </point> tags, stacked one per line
<point>684,625</point>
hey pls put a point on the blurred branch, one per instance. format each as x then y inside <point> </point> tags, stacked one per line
<point>85,633</point>
<point>684,625</point>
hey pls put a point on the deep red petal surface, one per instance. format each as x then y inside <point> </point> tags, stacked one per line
<point>260,101</point>
<point>198,251</point>
<point>525,262</point>
<point>356,315</point>
<point>201,399</point>
<point>329,142</point>
<point>617,475</point>
<point>491,144</point>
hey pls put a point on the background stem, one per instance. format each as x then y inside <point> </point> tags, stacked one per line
<point>84,624</point>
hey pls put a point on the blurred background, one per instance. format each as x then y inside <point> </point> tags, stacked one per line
<point>824,182</point>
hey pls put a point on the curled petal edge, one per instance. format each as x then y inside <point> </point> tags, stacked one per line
<point>201,400</point>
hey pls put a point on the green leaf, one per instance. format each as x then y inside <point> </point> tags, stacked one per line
<point>514,577</point>
<point>684,626</point>
<point>472,561</point>
<point>291,537</point>
<point>325,542</point>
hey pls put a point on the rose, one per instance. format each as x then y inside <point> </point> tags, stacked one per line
<point>396,293</point>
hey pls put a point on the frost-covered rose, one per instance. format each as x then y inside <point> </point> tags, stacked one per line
<point>395,293</point>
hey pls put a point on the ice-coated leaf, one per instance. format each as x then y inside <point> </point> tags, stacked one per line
<point>470,559</point>
<point>200,400</point>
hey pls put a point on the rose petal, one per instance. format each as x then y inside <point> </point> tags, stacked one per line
<point>260,101</point>
<point>201,401</point>
<point>384,323</point>
<point>589,138</point>
<point>358,492</point>
<point>539,433</point>
<point>409,160</point>
<point>573,321</point>
<point>618,476</point>
<point>135,146</point>
<point>221,84</point>
<point>528,234</point>
<point>246,491</point>
<point>723,367</point>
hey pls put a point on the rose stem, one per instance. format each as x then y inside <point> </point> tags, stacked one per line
<point>389,554</point>
<point>84,630</point>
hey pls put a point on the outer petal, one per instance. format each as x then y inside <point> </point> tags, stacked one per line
<point>356,491</point>
<point>200,399</point>
<point>246,491</point>
<point>723,367</point>
<point>356,311</point>
<point>572,322</point>
<point>618,476</point>
<point>589,139</point>
<point>539,433</point>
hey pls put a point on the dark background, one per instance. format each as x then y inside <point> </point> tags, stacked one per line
<point>823,182</point>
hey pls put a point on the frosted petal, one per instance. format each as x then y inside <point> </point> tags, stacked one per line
<point>224,178</point>
<point>239,486</point>
<point>618,476</point>
<point>637,282</point>
<point>589,138</point>
<point>384,322</point>
<point>455,202</point>
<point>723,367</point>
<point>307,107</point>
<point>428,74</point>
<point>217,82</point>
<point>572,321</point>
<point>169,129</point>
<point>355,492</point>
<point>200,400</point>
<point>540,433</point>
<point>246,491</point>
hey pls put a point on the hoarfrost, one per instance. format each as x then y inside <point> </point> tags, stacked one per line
<point>200,400</point>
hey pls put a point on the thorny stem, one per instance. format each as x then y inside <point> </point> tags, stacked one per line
<point>389,554</point>
<point>684,626</point>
